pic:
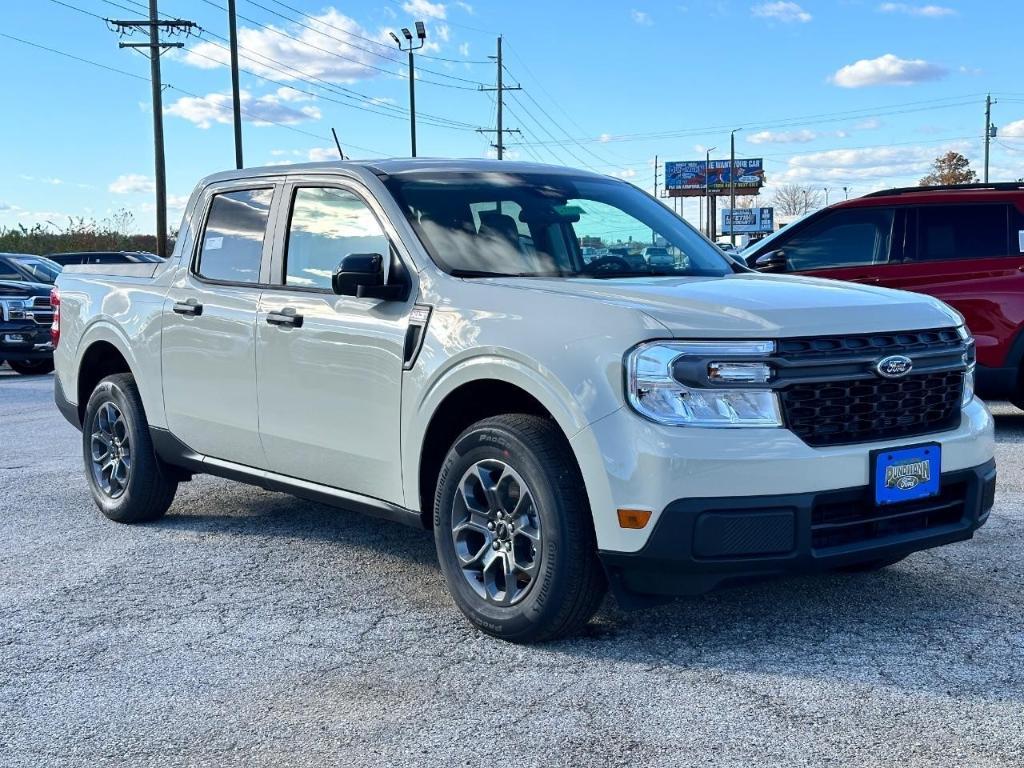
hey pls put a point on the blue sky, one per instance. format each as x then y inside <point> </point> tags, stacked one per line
<point>862,94</point>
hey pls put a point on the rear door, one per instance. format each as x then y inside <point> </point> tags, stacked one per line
<point>971,256</point>
<point>330,367</point>
<point>854,244</point>
<point>209,333</point>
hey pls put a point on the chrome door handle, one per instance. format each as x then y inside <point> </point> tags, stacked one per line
<point>286,317</point>
<point>190,307</point>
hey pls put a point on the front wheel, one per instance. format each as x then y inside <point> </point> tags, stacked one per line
<point>31,367</point>
<point>128,482</point>
<point>514,533</point>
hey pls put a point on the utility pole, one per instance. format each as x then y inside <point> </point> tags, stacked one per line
<point>236,99</point>
<point>707,188</point>
<point>421,34</point>
<point>156,47</point>
<point>990,130</point>
<point>732,185</point>
<point>655,175</point>
<point>826,196</point>
<point>500,130</point>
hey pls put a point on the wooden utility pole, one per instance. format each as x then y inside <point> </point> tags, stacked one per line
<point>156,47</point>
<point>500,130</point>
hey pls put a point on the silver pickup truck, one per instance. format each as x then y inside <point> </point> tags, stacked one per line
<point>423,340</point>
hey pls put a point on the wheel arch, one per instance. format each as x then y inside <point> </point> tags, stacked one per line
<point>467,397</point>
<point>103,354</point>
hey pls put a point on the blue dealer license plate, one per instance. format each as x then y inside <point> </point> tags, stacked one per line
<point>906,474</point>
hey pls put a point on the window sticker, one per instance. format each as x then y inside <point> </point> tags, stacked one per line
<point>213,243</point>
<point>1020,240</point>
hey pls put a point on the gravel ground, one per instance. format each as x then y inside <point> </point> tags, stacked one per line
<point>250,628</point>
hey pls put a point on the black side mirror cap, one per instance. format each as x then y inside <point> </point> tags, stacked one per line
<point>773,261</point>
<point>362,275</point>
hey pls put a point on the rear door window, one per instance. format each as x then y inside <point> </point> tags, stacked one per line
<point>232,246</point>
<point>962,232</point>
<point>843,238</point>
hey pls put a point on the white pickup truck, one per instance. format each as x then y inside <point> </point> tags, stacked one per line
<point>423,340</point>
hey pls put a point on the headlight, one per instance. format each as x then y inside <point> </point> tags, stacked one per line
<point>970,360</point>
<point>655,393</point>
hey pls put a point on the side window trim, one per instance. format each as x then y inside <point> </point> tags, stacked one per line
<point>241,185</point>
<point>279,256</point>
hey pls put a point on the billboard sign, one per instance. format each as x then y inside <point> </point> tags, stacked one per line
<point>747,220</point>
<point>691,178</point>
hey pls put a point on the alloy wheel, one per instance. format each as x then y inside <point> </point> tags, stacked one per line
<point>110,450</point>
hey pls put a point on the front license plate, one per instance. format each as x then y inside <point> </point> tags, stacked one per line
<point>905,474</point>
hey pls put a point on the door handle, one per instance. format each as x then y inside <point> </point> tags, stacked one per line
<point>190,307</point>
<point>286,317</point>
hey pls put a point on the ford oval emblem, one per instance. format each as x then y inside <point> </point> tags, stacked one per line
<point>894,366</point>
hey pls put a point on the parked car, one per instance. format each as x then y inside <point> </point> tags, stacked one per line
<point>25,266</point>
<point>658,257</point>
<point>104,257</point>
<point>962,244</point>
<point>438,353</point>
<point>25,319</point>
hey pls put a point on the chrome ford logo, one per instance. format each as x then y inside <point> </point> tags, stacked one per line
<point>894,366</point>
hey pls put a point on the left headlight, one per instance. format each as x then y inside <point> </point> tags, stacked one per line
<point>971,361</point>
<point>655,393</point>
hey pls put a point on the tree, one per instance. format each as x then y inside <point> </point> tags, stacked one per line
<point>950,168</point>
<point>796,199</point>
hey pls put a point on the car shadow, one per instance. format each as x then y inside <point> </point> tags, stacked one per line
<point>939,622</point>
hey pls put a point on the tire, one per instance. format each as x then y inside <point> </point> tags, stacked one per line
<point>529,467</point>
<point>31,367</point>
<point>869,566</point>
<point>139,488</point>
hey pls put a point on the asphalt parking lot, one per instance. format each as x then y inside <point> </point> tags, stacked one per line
<point>251,628</point>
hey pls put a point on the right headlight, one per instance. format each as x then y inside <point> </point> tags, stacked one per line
<point>655,393</point>
<point>971,361</point>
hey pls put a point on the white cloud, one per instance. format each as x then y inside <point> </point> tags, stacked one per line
<point>868,124</point>
<point>204,111</point>
<point>864,164</point>
<point>421,8</point>
<point>627,173</point>
<point>604,138</point>
<point>132,184</point>
<point>464,49</point>
<point>442,32</point>
<point>783,11</point>
<point>322,154</point>
<point>297,48</point>
<point>641,17</point>
<point>782,137</point>
<point>1014,130</point>
<point>928,11</point>
<point>466,7</point>
<point>887,70</point>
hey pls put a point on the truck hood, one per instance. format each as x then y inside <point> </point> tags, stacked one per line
<point>23,288</point>
<point>756,305</point>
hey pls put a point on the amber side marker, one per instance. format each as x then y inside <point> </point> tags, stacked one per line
<point>634,518</point>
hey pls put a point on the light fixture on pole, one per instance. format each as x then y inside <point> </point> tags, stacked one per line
<point>826,196</point>
<point>421,35</point>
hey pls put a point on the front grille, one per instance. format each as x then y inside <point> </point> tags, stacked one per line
<point>901,343</point>
<point>865,410</point>
<point>851,520</point>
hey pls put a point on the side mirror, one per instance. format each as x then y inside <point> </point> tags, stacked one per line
<point>773,261</point>
<point>362,275</point>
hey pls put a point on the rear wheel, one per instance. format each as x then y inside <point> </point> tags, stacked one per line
<point>31,367</point>
<point>128,482</point>
<point>513,531</point>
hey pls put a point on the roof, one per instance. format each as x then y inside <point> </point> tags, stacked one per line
<point>395,166</point>
<point>1007,186</point>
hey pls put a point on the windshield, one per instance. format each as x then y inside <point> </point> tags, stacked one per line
<point>39,269</point>
<point>535,224</point>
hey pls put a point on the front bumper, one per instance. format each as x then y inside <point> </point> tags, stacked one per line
<point>700,544</point>
<point>25,341</point>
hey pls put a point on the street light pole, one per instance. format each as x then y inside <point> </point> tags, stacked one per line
<point>421,34</point>
<point>707,188</point>
<point>732,186</point>
<point>826,196</point>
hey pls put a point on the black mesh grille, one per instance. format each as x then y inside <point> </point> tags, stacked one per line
<point>902,342</point>
<point>838,522</point>
<point>866,410</point>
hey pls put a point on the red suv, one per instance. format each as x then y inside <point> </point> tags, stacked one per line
<point>962,244</point>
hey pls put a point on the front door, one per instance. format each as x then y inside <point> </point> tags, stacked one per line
<point>329,366</point>
<point>209,335</point>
